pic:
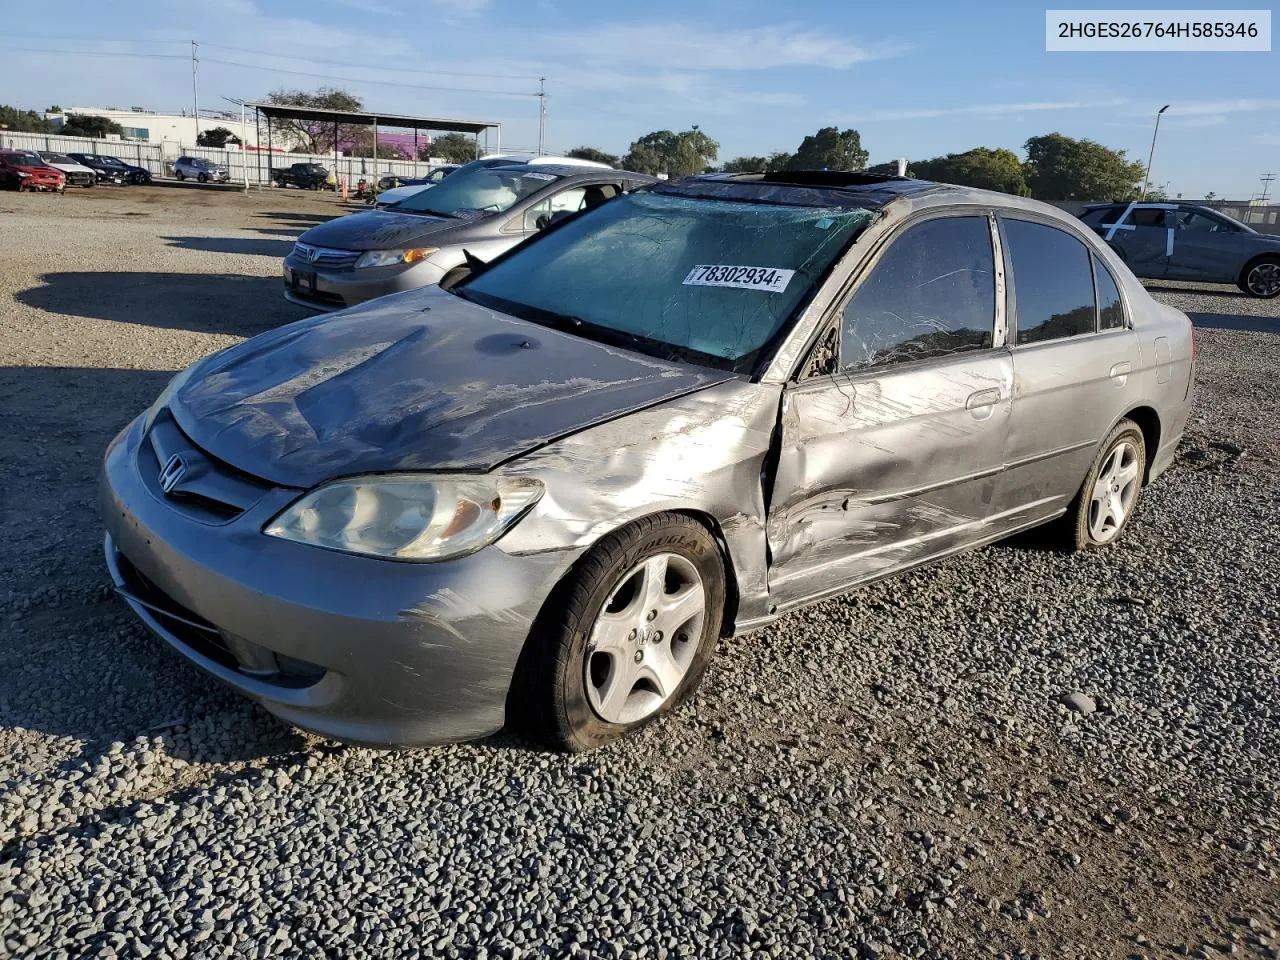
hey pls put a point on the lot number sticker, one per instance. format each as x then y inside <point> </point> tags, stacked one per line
<point>772,279</point>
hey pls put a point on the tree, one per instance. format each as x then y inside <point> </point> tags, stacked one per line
<point>1210,197</point>
<point>1061,168</point>
<point>54,109</point>
<point>675,154</point>
<point>591,153</point>
<point>454,148</point>
<point>830,149</point>
<point>22,121</point>
<point>889,169</point>
<point>778,160</point>
<point>218,137</point>
<point>86,125</point>
<point>745,165</point>
<point>982,167</point>
<point>316,136</point>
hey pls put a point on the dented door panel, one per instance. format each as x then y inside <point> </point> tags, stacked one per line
<point>879,472</point>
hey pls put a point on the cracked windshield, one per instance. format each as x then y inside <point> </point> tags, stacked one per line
<point>706,280</point>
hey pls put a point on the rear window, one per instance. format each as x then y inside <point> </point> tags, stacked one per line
<point>1095,218</point>
<point>1053,282</point>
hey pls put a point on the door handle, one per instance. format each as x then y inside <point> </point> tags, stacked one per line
<point>982,403</point>
<point>983,398</point>
<point>1120,372</point>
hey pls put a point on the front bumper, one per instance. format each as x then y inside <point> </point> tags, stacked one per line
<point>339,288</point>
<point>354,648</point>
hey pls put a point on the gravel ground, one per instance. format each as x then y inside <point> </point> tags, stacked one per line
<point>890,773</point>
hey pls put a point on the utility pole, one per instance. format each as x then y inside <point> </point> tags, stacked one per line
<point>1146,177</point>
<point>1266,179</point>
<point>542,115</point>
<point>195,92</point>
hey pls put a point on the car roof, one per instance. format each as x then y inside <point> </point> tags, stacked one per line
<point>806,188</point>
<point>573,172</point>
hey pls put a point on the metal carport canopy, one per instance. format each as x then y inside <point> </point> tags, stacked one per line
<point>365,119</point>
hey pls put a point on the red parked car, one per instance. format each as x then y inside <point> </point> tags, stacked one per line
<point>24,170</point>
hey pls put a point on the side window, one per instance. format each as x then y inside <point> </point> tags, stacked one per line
<point>1199,223</point>
<point>1053,282</point>
<point>1097,216</point>
<point>568,201</point>
<point>537,216</point>
<point>1110,306</point>
<point>1146,217</point>
<point>932,294</point>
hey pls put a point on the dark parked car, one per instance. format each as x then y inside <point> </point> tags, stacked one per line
<point>1185,241</point>
<point>307,176</point>
<point>112,169</point>
<point>555,487</point>
<point>24,170</point>
<point>426,237</point>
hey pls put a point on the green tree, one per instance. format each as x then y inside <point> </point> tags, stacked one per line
<point>830,149</point>
<point>889,169</point>
<point>85,125</point>
<point>1210,197</point>
<point>745,165</point>
<point>54,109</point>
<point>316,136</point>
<point>675,154</point>
<point>22,121</point>
<point>1062,168</point>
<point>217,137</point>
<point>591,153</point>
<point>454,148</point>
<point>982,167</point>
<point>778,160</point>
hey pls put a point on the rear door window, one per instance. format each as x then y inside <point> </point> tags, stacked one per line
<point>1110,306</point>
<point>931,294</point>
<point>1146,217</point>
<point>1053,282</point>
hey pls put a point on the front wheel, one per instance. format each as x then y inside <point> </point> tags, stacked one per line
<point>1262,279</point>
<point>1107,499</point>
<point>627,636</point>
<point>202,178</point>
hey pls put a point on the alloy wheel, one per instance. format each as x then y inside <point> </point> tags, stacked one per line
<point>1114,492</point>
<point>645,639</point>
<point>1264,280</point>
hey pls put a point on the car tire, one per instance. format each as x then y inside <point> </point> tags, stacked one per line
<point>179,175</point>
<point>202,178</point>
<point>598,665</point>
<point>1109,495</point>
<point>1261,279</point>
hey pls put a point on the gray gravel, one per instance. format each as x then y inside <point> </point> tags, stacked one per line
<point>1014,753</point>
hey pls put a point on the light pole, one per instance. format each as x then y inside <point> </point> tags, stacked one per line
<point>1146,177</point>
<point>244,161</point>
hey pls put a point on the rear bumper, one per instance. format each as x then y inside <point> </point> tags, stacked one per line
<point>349,647</point>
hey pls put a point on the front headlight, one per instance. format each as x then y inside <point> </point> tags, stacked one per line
<point>407,516</point>
<point>387,258</point>
<point>21,174</point>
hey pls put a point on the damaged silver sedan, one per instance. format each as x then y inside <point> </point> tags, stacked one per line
<point>549,492</point>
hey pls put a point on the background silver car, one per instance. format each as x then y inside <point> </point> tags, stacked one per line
<point>1184,241</point>
<point>482,210</point>
<point>553,488</point>
<point>198,168</point>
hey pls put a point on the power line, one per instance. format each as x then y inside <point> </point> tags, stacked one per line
<point>383,83</point>
<point>98,53</point>
<point>365,66</point>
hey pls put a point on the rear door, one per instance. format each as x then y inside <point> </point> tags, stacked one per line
<point>1074,359</point>
<point>895,457</point>
<point>1143,236</point>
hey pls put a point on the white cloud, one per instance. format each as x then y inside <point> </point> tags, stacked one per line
<point>685,46</point>
<point>987,109</point>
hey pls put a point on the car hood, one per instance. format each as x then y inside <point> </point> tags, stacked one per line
<point>70,167</point>
<point>34,168</point>
<point>379,230</point>
<point>421,380</point>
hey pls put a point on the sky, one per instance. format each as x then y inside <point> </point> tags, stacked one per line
<point>917,80</point>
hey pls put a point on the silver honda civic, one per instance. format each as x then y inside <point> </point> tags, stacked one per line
<point>544,495</point>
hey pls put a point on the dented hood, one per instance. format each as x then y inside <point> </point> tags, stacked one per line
<point>379,230</point>
<point>416,381</point>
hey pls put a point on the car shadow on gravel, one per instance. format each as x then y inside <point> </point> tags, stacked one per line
<point>1236,321</point>
<point>205,303</point>
<point>240,245</point>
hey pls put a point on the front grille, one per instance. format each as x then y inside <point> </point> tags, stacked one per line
<point>325,257</point>
<point>206,488</point>
<point>80,179</point>
<point>320,297</point>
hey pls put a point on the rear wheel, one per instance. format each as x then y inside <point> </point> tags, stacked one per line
<point>179,174</point>
<point>1107,499</point>
<point>1262,279</point>
<point>627,636</point>
<point>203,178</point>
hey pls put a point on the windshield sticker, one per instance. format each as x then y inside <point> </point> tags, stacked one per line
<point>771,279</point>
<point>538,176</point>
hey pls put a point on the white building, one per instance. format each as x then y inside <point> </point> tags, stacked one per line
<point>150,126</point>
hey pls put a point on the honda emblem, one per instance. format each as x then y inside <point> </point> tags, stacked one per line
<point>172,473</point>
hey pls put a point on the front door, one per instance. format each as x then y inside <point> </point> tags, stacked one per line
<point>896,457</point>
<point>1206,247</point>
